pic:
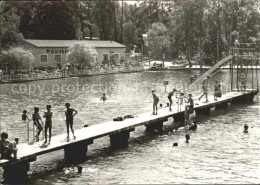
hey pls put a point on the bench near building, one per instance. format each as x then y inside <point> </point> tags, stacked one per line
<point>50,53</point>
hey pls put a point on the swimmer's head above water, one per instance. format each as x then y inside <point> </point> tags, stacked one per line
<point>246,128</point>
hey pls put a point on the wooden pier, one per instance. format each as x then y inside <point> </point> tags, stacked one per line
<point>119,132</point>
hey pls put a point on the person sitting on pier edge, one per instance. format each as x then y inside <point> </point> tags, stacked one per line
<point>245,128</point>
<point>193,78</point>
<point>103,98</point>
<point>155,103</point>
<point>194,125</point>
<point>205,88</point>
<point>24,116</point>
<point>191,104</point>
<point>69,119</point>
<point>36,117</point>
<point>48,122</point>
<point>7,148</point>
<point>243,82</point>
<point>170,98</point>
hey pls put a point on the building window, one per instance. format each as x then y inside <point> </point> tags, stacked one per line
<point>116,57</point>
<point>44,58</point>
<point>105,56</point>
<point>57,58</point>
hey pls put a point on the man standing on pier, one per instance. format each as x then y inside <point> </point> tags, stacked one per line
<point>205,88</point>
<point>170,98</point>
<point>69,119</point>
<point>155,103</point>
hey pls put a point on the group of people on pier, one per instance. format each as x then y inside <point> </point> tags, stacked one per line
<point>189,100</point>
<point>8,148</point>
<point>37,121</point>
<point>179,95</point>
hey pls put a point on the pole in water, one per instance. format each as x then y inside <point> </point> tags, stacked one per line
<point>28,134</point>
<point>33,133</point>
<point>187,138</point>
<point>80,169</point>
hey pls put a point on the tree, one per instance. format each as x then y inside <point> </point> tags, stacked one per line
<point>9,27</point>
<point>159,40</point>
<point>55,20</point>
<point>16,59</point>
<point>82,54</point>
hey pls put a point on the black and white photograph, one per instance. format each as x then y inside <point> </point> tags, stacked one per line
<point>129,92</point>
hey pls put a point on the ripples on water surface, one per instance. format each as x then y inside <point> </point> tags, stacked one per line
<point>219,151</point>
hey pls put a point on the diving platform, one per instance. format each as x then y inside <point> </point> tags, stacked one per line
<point>118,131</point>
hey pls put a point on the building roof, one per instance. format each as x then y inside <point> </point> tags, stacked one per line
<point>67,43</point>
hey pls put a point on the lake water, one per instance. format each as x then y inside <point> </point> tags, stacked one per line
<point>218,152</point>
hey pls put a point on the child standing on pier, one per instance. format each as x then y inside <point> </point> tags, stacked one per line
<point>155,103</point>
<point>69,119</point>
<point>36,121</point>
<point>48,122</point>
<point>170,98</point>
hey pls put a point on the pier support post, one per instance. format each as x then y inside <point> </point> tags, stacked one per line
<point>77,151</point>
<point>155,126</point>
<point>223,105</point>
<point>179,117</point>
<point>16,173</point>
<point>205,111</point>
<point>250,97</point>
<point>243,99</point>
<point>120,139</point>
<point>238,100</point>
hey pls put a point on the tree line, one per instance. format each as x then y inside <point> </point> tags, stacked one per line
<point>192,28</point>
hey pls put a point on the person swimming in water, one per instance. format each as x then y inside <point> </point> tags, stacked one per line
<point>69,119</point>
<point>36,121</point>
<point>103,98</point>
<point>24,116</point>
<point>194,125</point>
<point>170,98</point>
<point>193,78</point>
<point>245,128</point>
<point>48,122</point>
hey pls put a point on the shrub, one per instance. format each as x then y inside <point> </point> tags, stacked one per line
<point>81,54</point>
<point>16,59</point>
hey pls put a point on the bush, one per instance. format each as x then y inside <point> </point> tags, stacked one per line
<point>16,59</point>
<point>81,54</point>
